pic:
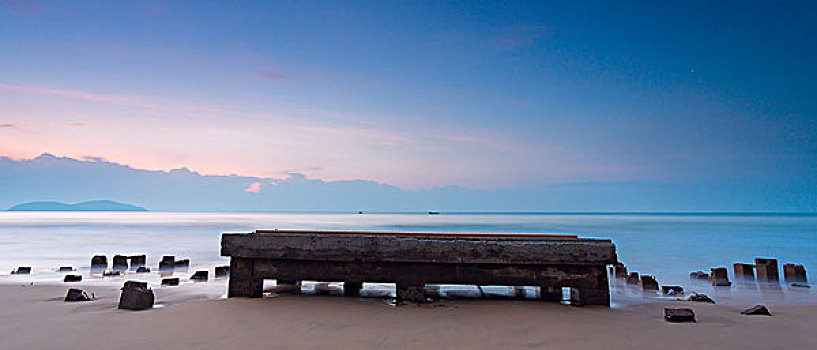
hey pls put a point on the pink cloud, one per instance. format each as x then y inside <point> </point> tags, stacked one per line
<point>461,138</point>
<point>123,100</point>
<point>119,100</point>
<point>495,143</point>
<point>272,77</point>
<point>254,187</point>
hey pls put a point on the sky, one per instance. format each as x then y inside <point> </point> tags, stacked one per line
<point>419,95</point>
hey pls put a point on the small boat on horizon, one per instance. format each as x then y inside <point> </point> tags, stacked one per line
<point>433,213</point>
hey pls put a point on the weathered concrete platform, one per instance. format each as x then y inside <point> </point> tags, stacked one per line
<point>411,260</point>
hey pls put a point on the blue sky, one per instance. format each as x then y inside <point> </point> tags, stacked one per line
<point>485,95</point>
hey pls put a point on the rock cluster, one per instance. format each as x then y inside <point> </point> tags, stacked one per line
<point>700,297</point>
<point>698,275</point>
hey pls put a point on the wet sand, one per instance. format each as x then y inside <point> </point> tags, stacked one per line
<point>35,317</point>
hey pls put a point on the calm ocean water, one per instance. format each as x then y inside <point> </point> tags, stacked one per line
<point>668,246</point>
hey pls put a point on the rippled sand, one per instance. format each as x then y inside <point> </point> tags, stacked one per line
<point>196,316</point>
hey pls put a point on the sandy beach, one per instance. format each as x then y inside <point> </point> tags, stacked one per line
<point>37,317</point>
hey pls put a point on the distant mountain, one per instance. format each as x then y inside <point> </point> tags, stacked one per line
<point>74,180</point>
<point>102,205</point>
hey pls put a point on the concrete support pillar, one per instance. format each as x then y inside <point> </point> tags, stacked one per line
<point>407,292</point>
<point>137,261</point>
<point>648,283</point>
<point>767,271</point>
<point>99,262</point>
<point>167,263</point>
<point>594,290</point>
<point>120,263</point>
<point>550,293</point>
<point>620,270</point>
<point>352,289</point>
<point>242,280</point>
<point>719,277</point>
<point>744,273</point>
<point>794,273</point>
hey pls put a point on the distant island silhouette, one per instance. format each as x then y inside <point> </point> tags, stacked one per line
<point>98,205</point>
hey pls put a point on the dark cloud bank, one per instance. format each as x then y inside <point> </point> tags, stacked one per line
<point>70,180</point>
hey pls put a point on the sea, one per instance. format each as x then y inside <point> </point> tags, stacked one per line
<point>666,245</point>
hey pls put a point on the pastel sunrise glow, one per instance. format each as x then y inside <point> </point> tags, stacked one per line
<point>519,95</point>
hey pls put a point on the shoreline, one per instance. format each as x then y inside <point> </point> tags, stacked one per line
<point>197,319</point>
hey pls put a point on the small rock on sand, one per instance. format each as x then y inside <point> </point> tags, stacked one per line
<point>170,281</point>
<point>76,295</point>
<point>679,315</point>
<point>700,297</point>
<point>756,310</point>
<point>672,290</point>
<point>72,278</point>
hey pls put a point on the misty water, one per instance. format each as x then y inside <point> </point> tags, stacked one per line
<point>666,246</point>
